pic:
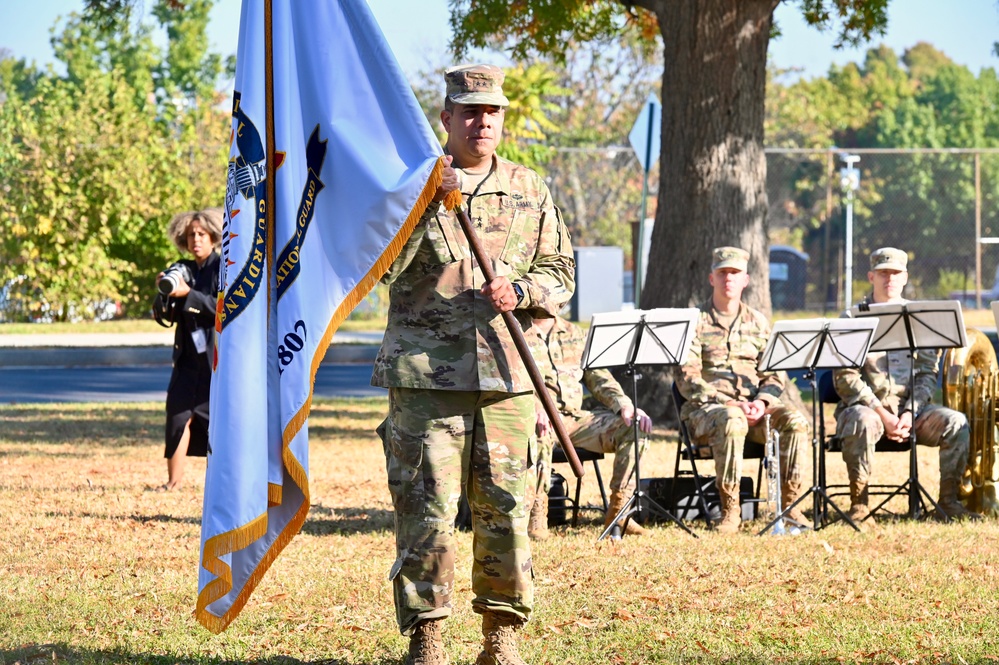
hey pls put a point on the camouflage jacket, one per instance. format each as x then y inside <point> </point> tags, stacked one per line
<point>560,363</point>
<point>722,364</point>
<point>883,380</point>
<point>442,333</point>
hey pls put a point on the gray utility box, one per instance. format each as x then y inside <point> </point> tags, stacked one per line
<point>599,281</point>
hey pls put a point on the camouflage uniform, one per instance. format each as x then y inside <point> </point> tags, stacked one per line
<point>600,430</point>
<point>461,408</point>
<point>722,366</point>
<point>884,381</point>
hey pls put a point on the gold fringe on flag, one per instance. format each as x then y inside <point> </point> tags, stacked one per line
<point>226,543</point>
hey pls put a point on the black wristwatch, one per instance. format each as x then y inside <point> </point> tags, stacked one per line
<point>519,290</point>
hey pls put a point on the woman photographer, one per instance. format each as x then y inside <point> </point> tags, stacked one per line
<point>192,302</point>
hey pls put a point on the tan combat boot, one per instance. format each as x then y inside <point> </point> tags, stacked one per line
<point>949,503</point>
<point>859,510</point>
<point>426,644</point>
<point>790,493</point>
<point>617,501</point>
<point>537,527</point>
<point>500,644</point>
<point>731,509</point>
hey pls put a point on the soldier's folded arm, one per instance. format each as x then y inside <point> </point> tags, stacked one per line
<point>853,389</point>
<point>691,384</point>
<point>605,389</point>
<point>925,377</point>
<point>550,281</point>
<point>770,389</point>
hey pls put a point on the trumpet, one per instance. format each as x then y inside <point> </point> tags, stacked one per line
<point>771,460</point>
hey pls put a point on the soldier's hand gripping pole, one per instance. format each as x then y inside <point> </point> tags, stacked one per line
<point>521,343</point>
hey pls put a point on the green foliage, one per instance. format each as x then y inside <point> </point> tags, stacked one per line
<point>94,163</point>
<point>531,27</point>
<point>953,280</point>
<point>858,20</point>
<point>528,129</point>
<point>923,202</point>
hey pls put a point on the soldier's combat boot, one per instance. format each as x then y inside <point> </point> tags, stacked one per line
<point>426,644</point>
<point>949,503</point>
<point>731,509</point>
<point>617,501</point>
<point>500,644</point>
<point>537,527</point>
<point>790,493</point>
<point>859,509</point>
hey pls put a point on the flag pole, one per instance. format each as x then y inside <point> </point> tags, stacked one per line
<point>270,186</point>
<point>521,343</point>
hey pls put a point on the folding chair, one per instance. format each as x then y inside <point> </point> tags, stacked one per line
<point>558,457</point>
<point>704,486</point>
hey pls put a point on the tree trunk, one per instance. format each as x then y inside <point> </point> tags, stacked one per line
<point>713,170</point>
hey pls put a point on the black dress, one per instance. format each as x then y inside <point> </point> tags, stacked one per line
<point>187,395</point>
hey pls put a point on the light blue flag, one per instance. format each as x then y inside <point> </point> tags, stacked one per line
<point>355,163</point>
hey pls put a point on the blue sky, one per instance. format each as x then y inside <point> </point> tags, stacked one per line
<point>418,31</point>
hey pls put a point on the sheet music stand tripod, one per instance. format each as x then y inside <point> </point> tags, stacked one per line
<point>816,344</point>
<point>911,327</point>
<point>627,339</point>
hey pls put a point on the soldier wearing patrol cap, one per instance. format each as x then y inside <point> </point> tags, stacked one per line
<point>461,403</point>
<point>727,394</point>
<point>876,400</point>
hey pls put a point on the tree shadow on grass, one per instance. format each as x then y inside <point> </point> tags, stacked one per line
<point>31,654</point>
<point>141,519</point>
<point>325,521</point>
<point>116,427</point>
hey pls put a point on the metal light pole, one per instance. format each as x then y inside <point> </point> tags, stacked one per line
<point>849,181</point>
<point>646,140</point>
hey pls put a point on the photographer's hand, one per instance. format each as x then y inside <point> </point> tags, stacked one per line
<point>182,290</point>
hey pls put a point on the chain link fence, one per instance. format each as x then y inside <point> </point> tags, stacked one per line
<point>939,205</point>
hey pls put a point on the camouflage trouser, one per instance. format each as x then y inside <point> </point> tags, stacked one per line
<point>438,442</point>
<point>599,431</point>
<point>860,428</point>
<point>726,430</point>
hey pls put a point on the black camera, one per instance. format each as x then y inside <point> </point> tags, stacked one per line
<point>173,277</point>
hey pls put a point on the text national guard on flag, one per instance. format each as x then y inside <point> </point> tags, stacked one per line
<point>307,234</point>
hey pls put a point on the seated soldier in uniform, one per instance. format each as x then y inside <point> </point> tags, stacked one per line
<point>728,396</point>
<point>607,428</point>
<point>877,401</point>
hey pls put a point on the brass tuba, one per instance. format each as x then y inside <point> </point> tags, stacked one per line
<point>971,386</point>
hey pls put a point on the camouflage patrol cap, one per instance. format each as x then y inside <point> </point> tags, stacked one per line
<point>729,257</point>
<point>476,84</point>
<point>888,258</point>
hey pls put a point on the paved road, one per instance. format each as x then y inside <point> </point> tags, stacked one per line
<point>148,383</point>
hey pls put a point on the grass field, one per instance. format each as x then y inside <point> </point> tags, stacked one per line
<point>95,567</point>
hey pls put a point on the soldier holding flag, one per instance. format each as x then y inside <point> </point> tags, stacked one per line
<point>461,408</point>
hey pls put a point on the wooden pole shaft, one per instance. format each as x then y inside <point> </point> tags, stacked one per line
<point>485,263</point>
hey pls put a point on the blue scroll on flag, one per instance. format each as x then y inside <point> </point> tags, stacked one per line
<point>330,166</point>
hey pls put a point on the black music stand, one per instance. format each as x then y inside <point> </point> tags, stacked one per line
<point>627,339</point>
<point>913,326</point>
<point>812,344</point>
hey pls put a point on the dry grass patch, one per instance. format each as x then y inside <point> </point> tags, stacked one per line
<point>95,567</point>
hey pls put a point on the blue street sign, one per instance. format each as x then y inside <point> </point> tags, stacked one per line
<point>646,134</point>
